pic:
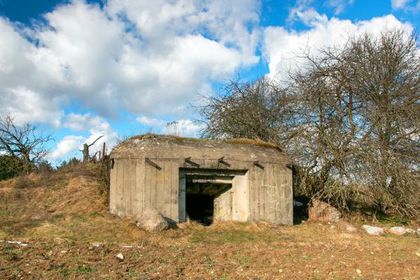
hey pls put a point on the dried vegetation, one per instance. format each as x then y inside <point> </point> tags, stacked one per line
<point>349,118</point>
<point>63,219</point>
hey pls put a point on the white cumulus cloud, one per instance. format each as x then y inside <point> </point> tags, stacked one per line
<point>339,5</point>
<point>67,147</point>
<point>151,122</point>
<point>412,6</point>
<point>25,105</point>
<point>147,57</point>
<point>399,4</point>
<point>95,126</point>
<point>182,127</point>
<point>283,48</point>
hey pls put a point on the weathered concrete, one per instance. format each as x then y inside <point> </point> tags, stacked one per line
<point>250,181</point>
<point>151,220</point>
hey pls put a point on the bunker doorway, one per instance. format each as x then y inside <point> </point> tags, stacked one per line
<point>207,195</point>
<point>201,192</point>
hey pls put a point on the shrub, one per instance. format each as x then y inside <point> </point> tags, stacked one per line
<point>10,167</point>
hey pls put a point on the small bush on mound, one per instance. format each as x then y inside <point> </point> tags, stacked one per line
<point>10,167</point>
<point>69,164</point>
<point>44,167</point>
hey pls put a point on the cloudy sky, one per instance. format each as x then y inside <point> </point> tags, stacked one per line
<point>80,69</point>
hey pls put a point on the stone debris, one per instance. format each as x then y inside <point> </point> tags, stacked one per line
<point>350,228</point>
<point>398,230</point>
<point>371,230</point>
<point>152,220</point>
<point>323,212</point>
<point>123,246</point>
<point>96,244</point>
<point>20,243</point>
<point>120,256</point>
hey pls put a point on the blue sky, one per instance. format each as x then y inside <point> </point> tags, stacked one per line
<point>80,69</point>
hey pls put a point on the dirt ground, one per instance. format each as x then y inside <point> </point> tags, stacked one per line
<point>66,232</point>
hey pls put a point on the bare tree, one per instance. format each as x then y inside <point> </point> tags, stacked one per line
<point>252,110</point>
<point>388,83</point>
<point>359,118</point>
<point>23,142</point>
<point>349,118</point>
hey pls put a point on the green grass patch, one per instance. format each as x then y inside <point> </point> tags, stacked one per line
<point>84,269</point>
<point>393,220</point>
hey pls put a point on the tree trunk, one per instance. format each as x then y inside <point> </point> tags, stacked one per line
<point>85,153</point>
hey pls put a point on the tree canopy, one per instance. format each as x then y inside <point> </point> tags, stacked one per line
<point>349,118</point>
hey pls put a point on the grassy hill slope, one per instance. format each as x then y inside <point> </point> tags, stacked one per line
<point>65,232</point>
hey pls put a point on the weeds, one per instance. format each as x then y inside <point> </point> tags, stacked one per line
<point>13,254</point>
<point>84,269</point>
<point>63,271</point>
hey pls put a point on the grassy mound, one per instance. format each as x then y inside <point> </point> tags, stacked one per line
<point>69,204</point>
<point>67,233</point>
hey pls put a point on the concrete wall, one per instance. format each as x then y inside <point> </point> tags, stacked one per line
<point>258,193</point>
<point>234,205</point>
<point>136,185</point>
<point>127,191</point>
<point>271,194</point>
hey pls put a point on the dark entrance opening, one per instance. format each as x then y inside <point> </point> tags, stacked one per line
<point>200,208</point>
<point>201,192</point>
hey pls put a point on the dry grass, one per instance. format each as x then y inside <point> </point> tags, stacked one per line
<point>65,204</point>
<point>70,235</point>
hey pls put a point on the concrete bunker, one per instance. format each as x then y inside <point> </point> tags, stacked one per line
<point>203,180</point>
